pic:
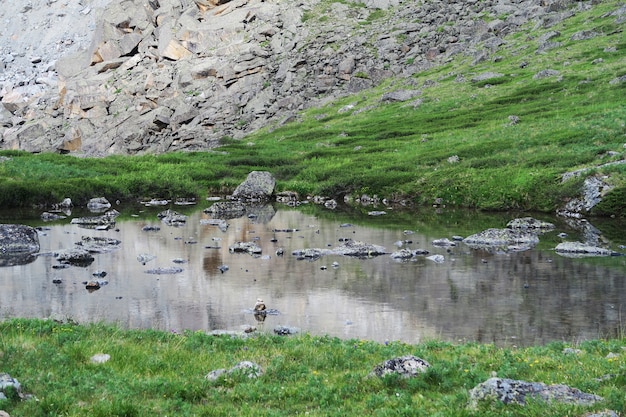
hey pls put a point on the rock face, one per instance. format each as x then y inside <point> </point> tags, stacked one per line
<point>159,76</point>
<point>16,239</point>
<point>514,391</point>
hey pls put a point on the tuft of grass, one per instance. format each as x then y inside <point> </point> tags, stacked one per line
<point>158,372</point>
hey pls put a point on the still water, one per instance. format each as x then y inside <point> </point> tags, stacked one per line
<point>521,298</point>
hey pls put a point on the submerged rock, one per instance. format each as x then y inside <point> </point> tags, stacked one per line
<point>227,209</point>
<point>98,244</point>
<point>106,220</point>
<point>514,391</point>
<point>74,256</point>
<point>245,247</point>
<point>164,270</point>
<point>172,218</point>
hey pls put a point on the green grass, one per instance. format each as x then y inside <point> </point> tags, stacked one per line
<point>399,151</point>
<point>160,373</point>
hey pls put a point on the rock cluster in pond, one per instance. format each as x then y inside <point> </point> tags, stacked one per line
<point>102,77</point>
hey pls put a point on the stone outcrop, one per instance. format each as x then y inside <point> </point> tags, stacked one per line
<point>160,76</point>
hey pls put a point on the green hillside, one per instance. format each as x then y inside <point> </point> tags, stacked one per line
<point>494,143</point>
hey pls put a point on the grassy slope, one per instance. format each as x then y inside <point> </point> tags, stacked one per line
<point>567,122</point>
<point>159,373</point>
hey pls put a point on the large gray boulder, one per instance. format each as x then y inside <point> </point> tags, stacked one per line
<point>18,239</point>
<point>258,186</point>
<point>511,391</point>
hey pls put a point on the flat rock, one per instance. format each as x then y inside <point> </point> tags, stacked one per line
<point>579,249</point>
<point>511,391</point>
<point>502,239</point>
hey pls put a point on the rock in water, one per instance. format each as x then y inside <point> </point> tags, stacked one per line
<point>18,239</point>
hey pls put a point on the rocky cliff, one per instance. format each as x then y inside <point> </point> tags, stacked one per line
<point>100,77</point>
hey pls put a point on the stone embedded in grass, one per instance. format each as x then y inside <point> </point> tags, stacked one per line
<point>405,366</point>
<point>8,382</point>
<point>247,368</point>
<point>100,358</point>
<point>511,391</point>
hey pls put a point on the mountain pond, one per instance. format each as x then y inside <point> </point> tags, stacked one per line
<point>508,298</point>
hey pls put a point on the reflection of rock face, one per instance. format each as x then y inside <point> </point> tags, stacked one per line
<point>18,239</point>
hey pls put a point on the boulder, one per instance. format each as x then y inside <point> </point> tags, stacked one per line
<point>18,239</point>
<point>258,186</point>
<point>511,391</point>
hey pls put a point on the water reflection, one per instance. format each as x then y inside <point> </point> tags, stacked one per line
<point>523,298</point>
